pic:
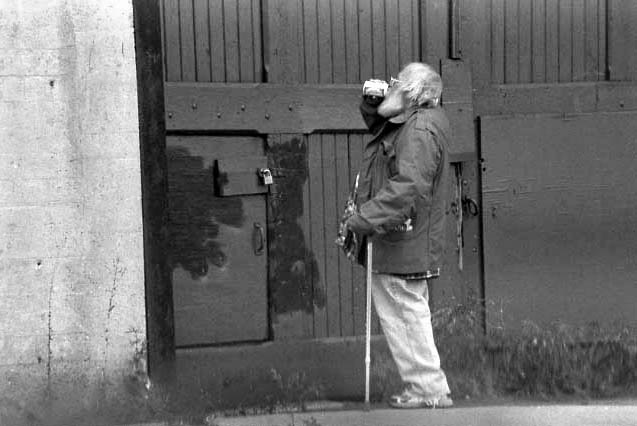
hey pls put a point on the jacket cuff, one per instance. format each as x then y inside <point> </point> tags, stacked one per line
<point>360,225</point>
<point>372,119</point>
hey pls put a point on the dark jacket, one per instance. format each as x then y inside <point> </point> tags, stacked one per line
<point>402,191</point>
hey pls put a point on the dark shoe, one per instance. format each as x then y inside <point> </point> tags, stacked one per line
<point>407,399</point>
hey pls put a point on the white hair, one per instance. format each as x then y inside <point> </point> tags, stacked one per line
<point>421,83</point>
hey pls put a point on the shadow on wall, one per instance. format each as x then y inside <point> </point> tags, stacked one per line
<point>196,214</point>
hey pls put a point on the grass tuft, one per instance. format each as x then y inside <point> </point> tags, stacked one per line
<point>590,361</point>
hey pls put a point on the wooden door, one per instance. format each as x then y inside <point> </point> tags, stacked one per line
<point>559,218</point>
<point>218,239</point>
<point>291,72</point>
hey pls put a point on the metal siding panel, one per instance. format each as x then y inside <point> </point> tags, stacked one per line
<point>318,233</point>
<point>560,227</point>
<point>217,44</point>
<point>202,41</point>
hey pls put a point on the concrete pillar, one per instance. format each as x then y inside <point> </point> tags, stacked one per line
<point>71,253</point>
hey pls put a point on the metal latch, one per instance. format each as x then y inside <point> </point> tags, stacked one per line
<point>266,176</point>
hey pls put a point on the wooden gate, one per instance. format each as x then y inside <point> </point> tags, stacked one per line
<point>284,77</point>
<point>288,75</point>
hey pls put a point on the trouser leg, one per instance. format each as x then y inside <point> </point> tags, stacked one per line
<point>403,310</point>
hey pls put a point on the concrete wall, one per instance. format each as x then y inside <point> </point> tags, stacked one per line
<point>71,259</point>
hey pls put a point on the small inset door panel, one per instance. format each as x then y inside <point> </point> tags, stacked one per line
<point>218,249</point>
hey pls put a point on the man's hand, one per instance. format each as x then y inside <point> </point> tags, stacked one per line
<point>359,224</point>
<point>373,100</point>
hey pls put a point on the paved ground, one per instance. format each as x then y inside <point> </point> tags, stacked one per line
<point>471,416</point>
<point>620,413</point>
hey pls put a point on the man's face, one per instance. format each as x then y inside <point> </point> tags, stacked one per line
<point>395,101</point>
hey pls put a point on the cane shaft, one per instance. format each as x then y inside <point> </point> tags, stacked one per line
<point>368,320</point>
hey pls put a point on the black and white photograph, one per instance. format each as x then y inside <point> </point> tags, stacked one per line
<point>318,212</point>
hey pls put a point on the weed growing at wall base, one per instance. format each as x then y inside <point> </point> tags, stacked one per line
<point>590,361</point>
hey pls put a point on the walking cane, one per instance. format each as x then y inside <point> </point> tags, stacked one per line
<point>368,321</point>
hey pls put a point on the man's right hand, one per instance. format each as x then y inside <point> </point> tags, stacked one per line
<point>373,100</point>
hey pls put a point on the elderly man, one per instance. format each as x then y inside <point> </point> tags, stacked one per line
<point>402,194</point>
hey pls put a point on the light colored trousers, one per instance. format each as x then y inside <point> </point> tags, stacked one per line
<point>403,309</point>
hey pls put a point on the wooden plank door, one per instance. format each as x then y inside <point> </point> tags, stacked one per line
<point>560,223</point>
<point>218,243</point>
<point>292,72</point>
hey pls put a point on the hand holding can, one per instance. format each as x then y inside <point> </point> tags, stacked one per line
<point>374,91</point>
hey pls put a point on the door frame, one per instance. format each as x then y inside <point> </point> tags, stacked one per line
<point>160,331</point>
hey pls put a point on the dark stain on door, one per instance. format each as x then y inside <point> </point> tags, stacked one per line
<point>217,249</point>
<point>196,215</point>
<point>293,268</point>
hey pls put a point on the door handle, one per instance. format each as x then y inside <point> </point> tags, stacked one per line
<point>258,239</point>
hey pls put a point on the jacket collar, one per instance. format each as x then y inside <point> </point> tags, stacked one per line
<point>402,118</point>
